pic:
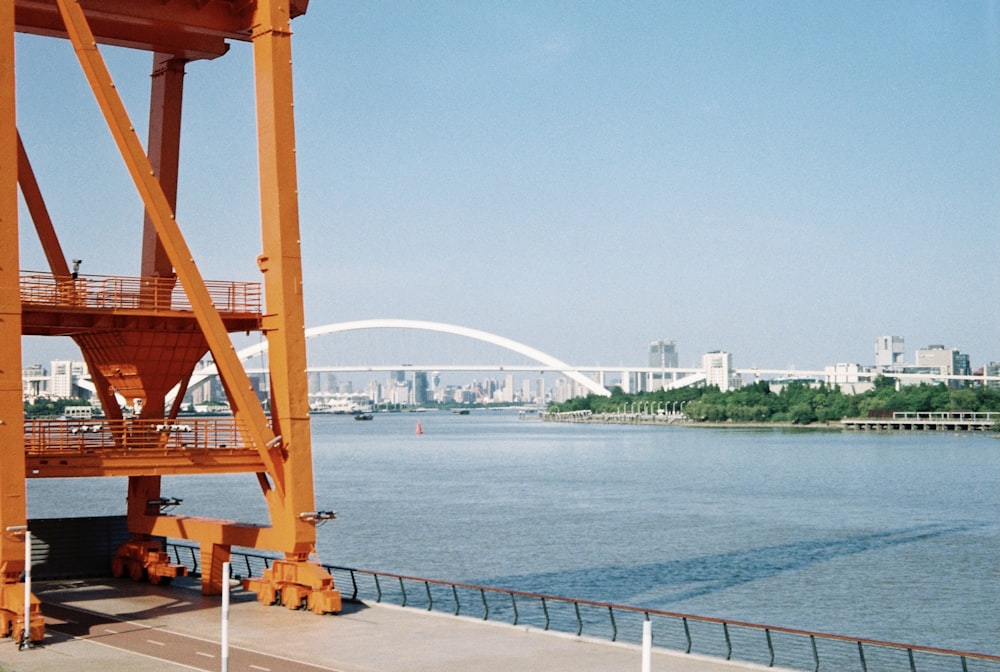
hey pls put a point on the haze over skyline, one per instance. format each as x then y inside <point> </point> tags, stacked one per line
<point>785,181</point>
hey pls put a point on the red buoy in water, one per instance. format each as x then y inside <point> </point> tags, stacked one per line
<point>420,430</point>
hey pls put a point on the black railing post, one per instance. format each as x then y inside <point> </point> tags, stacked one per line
<point>458,605</point>
<point>861,656</point>
<point>513,604</point>
<point>430,600</point>
<point>729,644</point>
<point>812,638</point>
<point>687,634</point>
<point>614,626</point>
<point>354,585</point>
<point>770,646</point>
<point>486,607</point>
<point>545,609</point>
<point>579,620</point>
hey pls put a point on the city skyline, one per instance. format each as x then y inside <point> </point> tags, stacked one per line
<point>887,352</point>
<point>778,180</point>
<point>410,384</point>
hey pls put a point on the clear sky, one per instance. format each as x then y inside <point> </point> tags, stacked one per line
<point>783,180</point>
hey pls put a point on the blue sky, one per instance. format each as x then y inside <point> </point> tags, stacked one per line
<point>783,180</point>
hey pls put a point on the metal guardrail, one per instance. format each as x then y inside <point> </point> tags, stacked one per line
<point>71,437</point>
<point>733,640</point>
<point>133,293</point>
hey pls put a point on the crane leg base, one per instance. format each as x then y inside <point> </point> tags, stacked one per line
<point>296,584</point>
<point>12,614</point>
<point>144,558</point>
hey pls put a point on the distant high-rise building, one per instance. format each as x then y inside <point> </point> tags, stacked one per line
<point>663,354</point>
<point>718,367</point>
<point>889,352</point>
<point>508,388</point>
<point>526,395</point>
<point>65,375</point>
<point>993,369</point>
<point>375,391</point>
<point>34,382</point>
<point>420,387</point>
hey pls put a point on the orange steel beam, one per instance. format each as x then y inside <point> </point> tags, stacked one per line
<point>165,104</point>
<point>166,96</point>
<point>13,506</point>
<point>13,496</point>
<point>57,259</point>
<point>40,214</point>
<point>241,395</point>
<point>281,264</point>
<point>192,462</point>
<point>191,30</point>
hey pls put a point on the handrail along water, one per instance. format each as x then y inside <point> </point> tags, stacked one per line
<point>725,638</point>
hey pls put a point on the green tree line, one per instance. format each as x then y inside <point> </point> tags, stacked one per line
<point>797,403</point>
<point>50,408</point>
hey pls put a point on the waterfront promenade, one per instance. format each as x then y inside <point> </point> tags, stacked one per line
<point>105,625</point>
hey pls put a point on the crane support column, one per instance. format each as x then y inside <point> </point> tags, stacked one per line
<point>13,495</point>
<point>284,324</point>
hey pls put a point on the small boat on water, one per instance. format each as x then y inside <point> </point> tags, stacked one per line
<point>461,411</point>
<point>363,416</point>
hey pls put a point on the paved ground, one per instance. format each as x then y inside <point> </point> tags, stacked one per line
<point>111,625</point>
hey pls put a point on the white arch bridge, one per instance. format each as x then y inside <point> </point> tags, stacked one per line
<point>545,362</point>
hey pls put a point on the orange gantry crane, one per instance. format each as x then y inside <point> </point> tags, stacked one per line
<point>141,337</point>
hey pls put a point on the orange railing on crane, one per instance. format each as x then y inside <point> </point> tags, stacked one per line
<point>100,447</point>
<point>54,438</point>
<point>133,293</point>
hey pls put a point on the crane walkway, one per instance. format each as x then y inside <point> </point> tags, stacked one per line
<point>110,624</point>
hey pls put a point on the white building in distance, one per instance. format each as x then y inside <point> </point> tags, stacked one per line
<point>890,352</point>
<point>718,366</point>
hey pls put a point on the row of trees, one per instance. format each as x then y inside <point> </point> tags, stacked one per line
<point>797,403</point>
<point>50,408</point>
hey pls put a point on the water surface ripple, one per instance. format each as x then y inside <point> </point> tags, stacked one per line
<point>881,536</point>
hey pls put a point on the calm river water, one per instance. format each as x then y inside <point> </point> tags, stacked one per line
<point>883,536</point>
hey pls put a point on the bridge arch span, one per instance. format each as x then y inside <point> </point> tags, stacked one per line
<point>440,327</point>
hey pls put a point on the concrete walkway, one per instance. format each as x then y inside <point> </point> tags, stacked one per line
<point>365,638</point>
